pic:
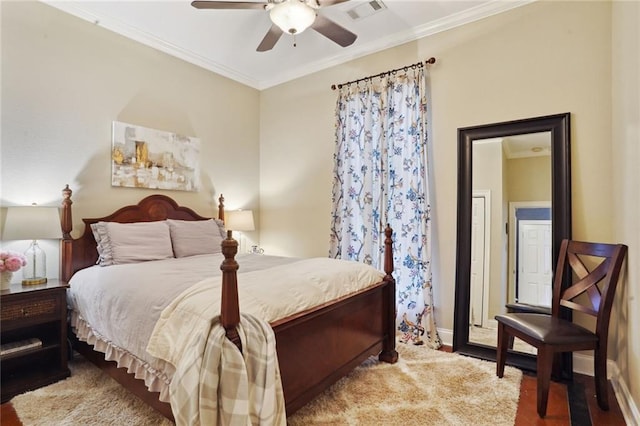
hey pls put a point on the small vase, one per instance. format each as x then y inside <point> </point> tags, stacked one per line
<point>5,279</point>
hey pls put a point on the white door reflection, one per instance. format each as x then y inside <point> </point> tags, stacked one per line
<point>533,280</point>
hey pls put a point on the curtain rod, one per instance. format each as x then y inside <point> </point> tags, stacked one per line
<point>431,60</point>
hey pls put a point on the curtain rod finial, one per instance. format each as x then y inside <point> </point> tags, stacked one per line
<point>431,60</point>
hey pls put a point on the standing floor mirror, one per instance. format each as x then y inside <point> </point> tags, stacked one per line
<point>514,209</point>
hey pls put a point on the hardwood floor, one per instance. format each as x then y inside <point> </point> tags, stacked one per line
<point>558,413</point>
<point>8,415</point>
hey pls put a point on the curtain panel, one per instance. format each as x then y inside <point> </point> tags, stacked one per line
<point>380,177</point>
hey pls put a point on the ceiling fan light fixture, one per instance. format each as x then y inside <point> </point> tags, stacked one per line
<point>292,16</point>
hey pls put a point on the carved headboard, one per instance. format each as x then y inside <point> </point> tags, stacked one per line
<point>80,253</point>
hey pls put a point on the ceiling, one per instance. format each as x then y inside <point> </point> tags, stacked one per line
<point>522,146</point>
<point>225,41</point>
<point>527,145</point>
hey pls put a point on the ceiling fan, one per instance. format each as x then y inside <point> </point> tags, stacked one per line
<point>290,16</point>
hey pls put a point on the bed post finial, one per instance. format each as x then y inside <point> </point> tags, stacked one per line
<point>66,244</point>
<point>66,222</point>
<point>388,251</point>
<point>230,309</point>
<point>221,207</point>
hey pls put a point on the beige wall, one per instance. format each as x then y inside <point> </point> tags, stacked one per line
<point>64,80</point>
<point>521,185</point>
<point>625,142</point>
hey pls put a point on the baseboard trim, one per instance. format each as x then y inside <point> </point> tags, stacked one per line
<point>446,336</point>
<point>625,400</point>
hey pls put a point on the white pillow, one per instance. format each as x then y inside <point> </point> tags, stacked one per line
<point>120,243</point>
<point>190,237</point>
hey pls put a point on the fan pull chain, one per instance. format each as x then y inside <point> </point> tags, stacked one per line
<point>295,44</point>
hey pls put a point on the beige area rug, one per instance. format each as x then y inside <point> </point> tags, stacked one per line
<point>425,387</point>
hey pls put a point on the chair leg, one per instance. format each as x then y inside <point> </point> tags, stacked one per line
<point>600,376</point>
<point>511,339</point>
<point>501,352</point>
<point>556,372</point>
<point>544,366</point>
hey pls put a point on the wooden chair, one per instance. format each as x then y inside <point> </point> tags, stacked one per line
<point>551,334</point>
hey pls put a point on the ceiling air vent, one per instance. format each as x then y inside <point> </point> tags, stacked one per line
<point>366,9</point>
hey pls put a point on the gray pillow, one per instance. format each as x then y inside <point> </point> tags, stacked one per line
<point>120,243</point>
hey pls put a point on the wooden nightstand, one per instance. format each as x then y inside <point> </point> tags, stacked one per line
<point>33,312</point>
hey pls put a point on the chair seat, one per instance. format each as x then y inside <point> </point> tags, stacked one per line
<point>547,329</point>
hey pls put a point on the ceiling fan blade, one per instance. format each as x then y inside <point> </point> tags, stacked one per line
<point>227,5</point>
<point>270,39</point>
<point>333,31</point>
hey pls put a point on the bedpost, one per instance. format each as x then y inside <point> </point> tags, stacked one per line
<point>229,309</point>
<point>66,244</point>
<point>388,252</point>
<point>389,353</point>
<point>221,207</point>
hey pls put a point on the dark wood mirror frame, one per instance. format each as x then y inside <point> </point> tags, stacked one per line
<point>559,127</point>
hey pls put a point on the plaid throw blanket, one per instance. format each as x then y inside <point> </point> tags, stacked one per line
<point>215,384</point>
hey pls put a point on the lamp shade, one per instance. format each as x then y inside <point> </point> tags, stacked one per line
<point>239,220</point>
<point>32,223</point>
<point>292,16</point>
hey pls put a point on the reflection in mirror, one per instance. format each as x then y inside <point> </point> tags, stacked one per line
<point>510,230</point>
<point>514,209</point>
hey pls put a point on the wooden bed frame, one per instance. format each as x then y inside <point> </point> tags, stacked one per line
<point>315,348</point>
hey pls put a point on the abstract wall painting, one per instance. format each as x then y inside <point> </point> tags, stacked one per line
<point>155,159</point>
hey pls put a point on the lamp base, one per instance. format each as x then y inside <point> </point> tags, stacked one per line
<point>34,281</point>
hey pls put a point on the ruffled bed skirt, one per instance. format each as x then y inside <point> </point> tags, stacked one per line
<point>156,379</point>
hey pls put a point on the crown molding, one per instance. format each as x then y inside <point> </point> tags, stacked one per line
<point>474,14</point>
<point>150,40</point>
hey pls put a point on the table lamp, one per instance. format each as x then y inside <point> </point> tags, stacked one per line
<point>239,220</point>
<point>33,223</point>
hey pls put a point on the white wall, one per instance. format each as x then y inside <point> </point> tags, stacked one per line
<point>64,81</point>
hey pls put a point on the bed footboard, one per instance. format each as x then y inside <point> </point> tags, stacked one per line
<point>318,347</point>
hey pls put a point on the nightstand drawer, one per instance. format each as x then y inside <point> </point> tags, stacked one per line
<point>17,312</point>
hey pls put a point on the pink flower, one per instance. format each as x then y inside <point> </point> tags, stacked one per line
<point>11,261</point>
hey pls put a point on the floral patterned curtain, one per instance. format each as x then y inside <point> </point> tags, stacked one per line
<point>380,177</point>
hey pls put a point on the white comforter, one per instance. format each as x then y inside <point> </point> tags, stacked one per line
<point>116,308</point>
